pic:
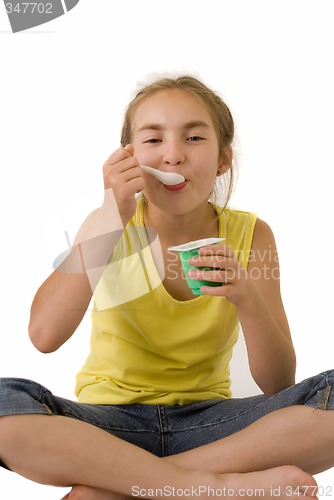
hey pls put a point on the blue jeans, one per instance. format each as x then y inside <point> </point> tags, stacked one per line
<point>166,430</point>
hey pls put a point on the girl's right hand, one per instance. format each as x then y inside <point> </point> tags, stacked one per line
<point>122,174</point>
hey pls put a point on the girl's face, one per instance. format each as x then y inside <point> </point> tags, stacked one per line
<point>173,132</point>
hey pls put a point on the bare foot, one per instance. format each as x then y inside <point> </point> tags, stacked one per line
<point>88,493</point>
<point>286,481</point>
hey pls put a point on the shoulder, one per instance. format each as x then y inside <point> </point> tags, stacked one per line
<point>263,235</point>
<point>251,234</point>
<point>239,222</point>
<point>233,212</point>
<point>237,217</point>
<point>263,253</point>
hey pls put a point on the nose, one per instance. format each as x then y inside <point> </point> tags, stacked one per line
<point>173,154</point>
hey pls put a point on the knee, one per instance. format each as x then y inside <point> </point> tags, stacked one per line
<point>8,431</point>
<point>7,437</point>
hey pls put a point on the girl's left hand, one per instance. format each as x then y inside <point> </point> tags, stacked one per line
<point>224,268</point>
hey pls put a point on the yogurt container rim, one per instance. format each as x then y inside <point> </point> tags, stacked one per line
<point>191,245</point>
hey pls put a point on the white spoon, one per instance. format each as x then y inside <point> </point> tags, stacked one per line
<point>167,178</point>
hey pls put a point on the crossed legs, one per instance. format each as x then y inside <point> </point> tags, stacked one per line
<point>298,435</point>
<point>66,452</point>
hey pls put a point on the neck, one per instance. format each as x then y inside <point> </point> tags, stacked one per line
<point>181,228</point>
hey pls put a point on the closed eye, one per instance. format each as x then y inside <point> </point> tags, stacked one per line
<point>195,138</point>
<point>152,141</point>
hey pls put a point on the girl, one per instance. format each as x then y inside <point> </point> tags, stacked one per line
<point>154,412</point>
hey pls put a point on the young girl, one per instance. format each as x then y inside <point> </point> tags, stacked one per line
<point>154,415</point>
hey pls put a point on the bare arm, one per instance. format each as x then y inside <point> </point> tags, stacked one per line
<point>270,349</point>
<point>57,309</point>
<point>256,294</point>
<point>62,300</point>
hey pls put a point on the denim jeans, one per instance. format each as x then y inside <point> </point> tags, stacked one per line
<point>166,430</point>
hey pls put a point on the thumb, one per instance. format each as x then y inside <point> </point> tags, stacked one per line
<point>130,149</point>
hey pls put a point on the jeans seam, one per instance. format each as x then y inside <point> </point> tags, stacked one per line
<point>163,430</point>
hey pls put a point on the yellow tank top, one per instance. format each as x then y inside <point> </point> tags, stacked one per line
<point>146,346</point>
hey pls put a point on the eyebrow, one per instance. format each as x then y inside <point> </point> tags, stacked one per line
<point>186,126</point>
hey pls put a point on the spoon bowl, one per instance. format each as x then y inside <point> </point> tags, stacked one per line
<point>167,178</point>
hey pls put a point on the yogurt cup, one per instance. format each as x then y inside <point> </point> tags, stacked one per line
<point>188,250</point>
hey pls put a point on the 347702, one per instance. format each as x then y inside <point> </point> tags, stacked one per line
<point>29,8</point>
<point>320,491</point>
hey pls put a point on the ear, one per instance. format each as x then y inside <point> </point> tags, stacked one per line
<point>225,161</point>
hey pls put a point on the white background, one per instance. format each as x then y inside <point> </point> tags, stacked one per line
<point>63,90</point>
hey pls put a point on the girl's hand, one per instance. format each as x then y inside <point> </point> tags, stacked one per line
<point>225,269</point>
<point>122,174</point>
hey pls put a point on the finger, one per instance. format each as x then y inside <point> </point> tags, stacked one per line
<point>118,155</point>
<point>130,148</point>
<point>210,275</point>
<point>214,261</point>
<point>134,185</point>
<point>122,165</point>
<point>215,291</point>
<point>119,175</point>
<point>217,249</point>
<point>128,173</point>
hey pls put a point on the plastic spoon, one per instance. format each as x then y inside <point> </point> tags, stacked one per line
<point>168,178</point>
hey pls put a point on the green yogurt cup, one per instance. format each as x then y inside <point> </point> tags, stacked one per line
<point>188,250</point>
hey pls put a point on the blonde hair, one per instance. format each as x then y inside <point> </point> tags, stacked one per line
<point>219,112</point>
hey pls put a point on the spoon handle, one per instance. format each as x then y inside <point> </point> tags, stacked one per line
<point>150,170</point>
<point>168,178</point>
